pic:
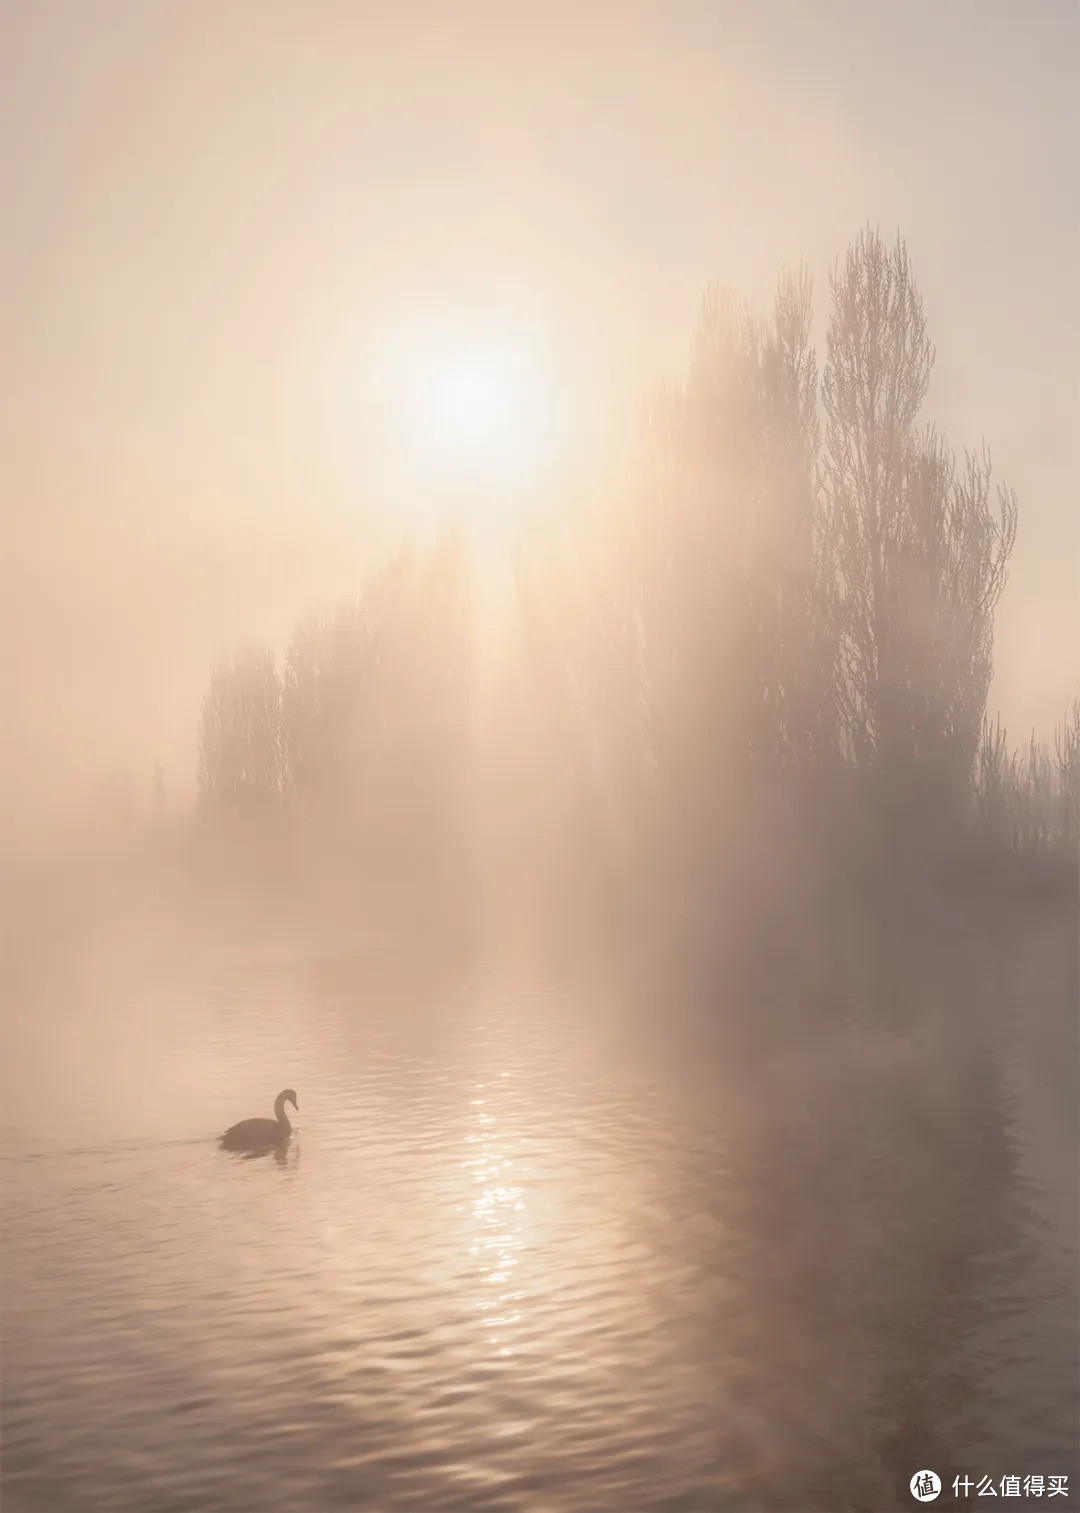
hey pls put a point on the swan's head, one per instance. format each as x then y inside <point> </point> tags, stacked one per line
<point>288,1096</point>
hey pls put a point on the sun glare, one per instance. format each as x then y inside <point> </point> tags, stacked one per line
<point>471,413</point>
<point>470,402</point>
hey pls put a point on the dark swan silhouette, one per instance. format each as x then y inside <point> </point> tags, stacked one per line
<point>258,1137</point>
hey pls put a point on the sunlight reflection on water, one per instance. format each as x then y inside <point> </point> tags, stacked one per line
<point>499,1238</point>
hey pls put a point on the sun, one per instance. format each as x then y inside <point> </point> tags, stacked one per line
<point>471,401</point>
<point>471,413</point>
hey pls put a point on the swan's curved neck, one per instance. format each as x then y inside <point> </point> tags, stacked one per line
<point>282,1116</point>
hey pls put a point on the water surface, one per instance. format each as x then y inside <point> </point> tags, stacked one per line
<point>519,1255</point>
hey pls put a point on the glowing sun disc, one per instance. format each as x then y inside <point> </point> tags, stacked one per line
<point>469,402</point>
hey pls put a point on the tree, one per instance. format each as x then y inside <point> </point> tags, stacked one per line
<point>919,555</point>
<point>327,673</point>
<point>791,625</point>
<point>375,712</point>
<point>736,620</point>
<point>239,761</point>
<point>1067,774</point>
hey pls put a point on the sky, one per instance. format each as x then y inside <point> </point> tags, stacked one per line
<point>217,217</point>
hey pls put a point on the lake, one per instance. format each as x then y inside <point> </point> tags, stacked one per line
<point>530,1248</point>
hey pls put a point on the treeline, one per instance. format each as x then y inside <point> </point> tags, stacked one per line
<point>350,752</point>
<point>775,643</point>
<point>1028,802</point>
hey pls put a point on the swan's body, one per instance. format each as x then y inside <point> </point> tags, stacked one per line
<point>258,1137</point>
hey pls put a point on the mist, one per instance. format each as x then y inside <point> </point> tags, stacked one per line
<point>541,617</point>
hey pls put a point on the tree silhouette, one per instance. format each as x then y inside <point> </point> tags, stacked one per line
<point>239,761</point>
<point>919,555</point>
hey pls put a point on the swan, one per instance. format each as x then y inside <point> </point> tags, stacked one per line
<point>260,1136</point>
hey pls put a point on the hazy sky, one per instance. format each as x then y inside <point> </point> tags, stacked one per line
<point>215,212</point>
